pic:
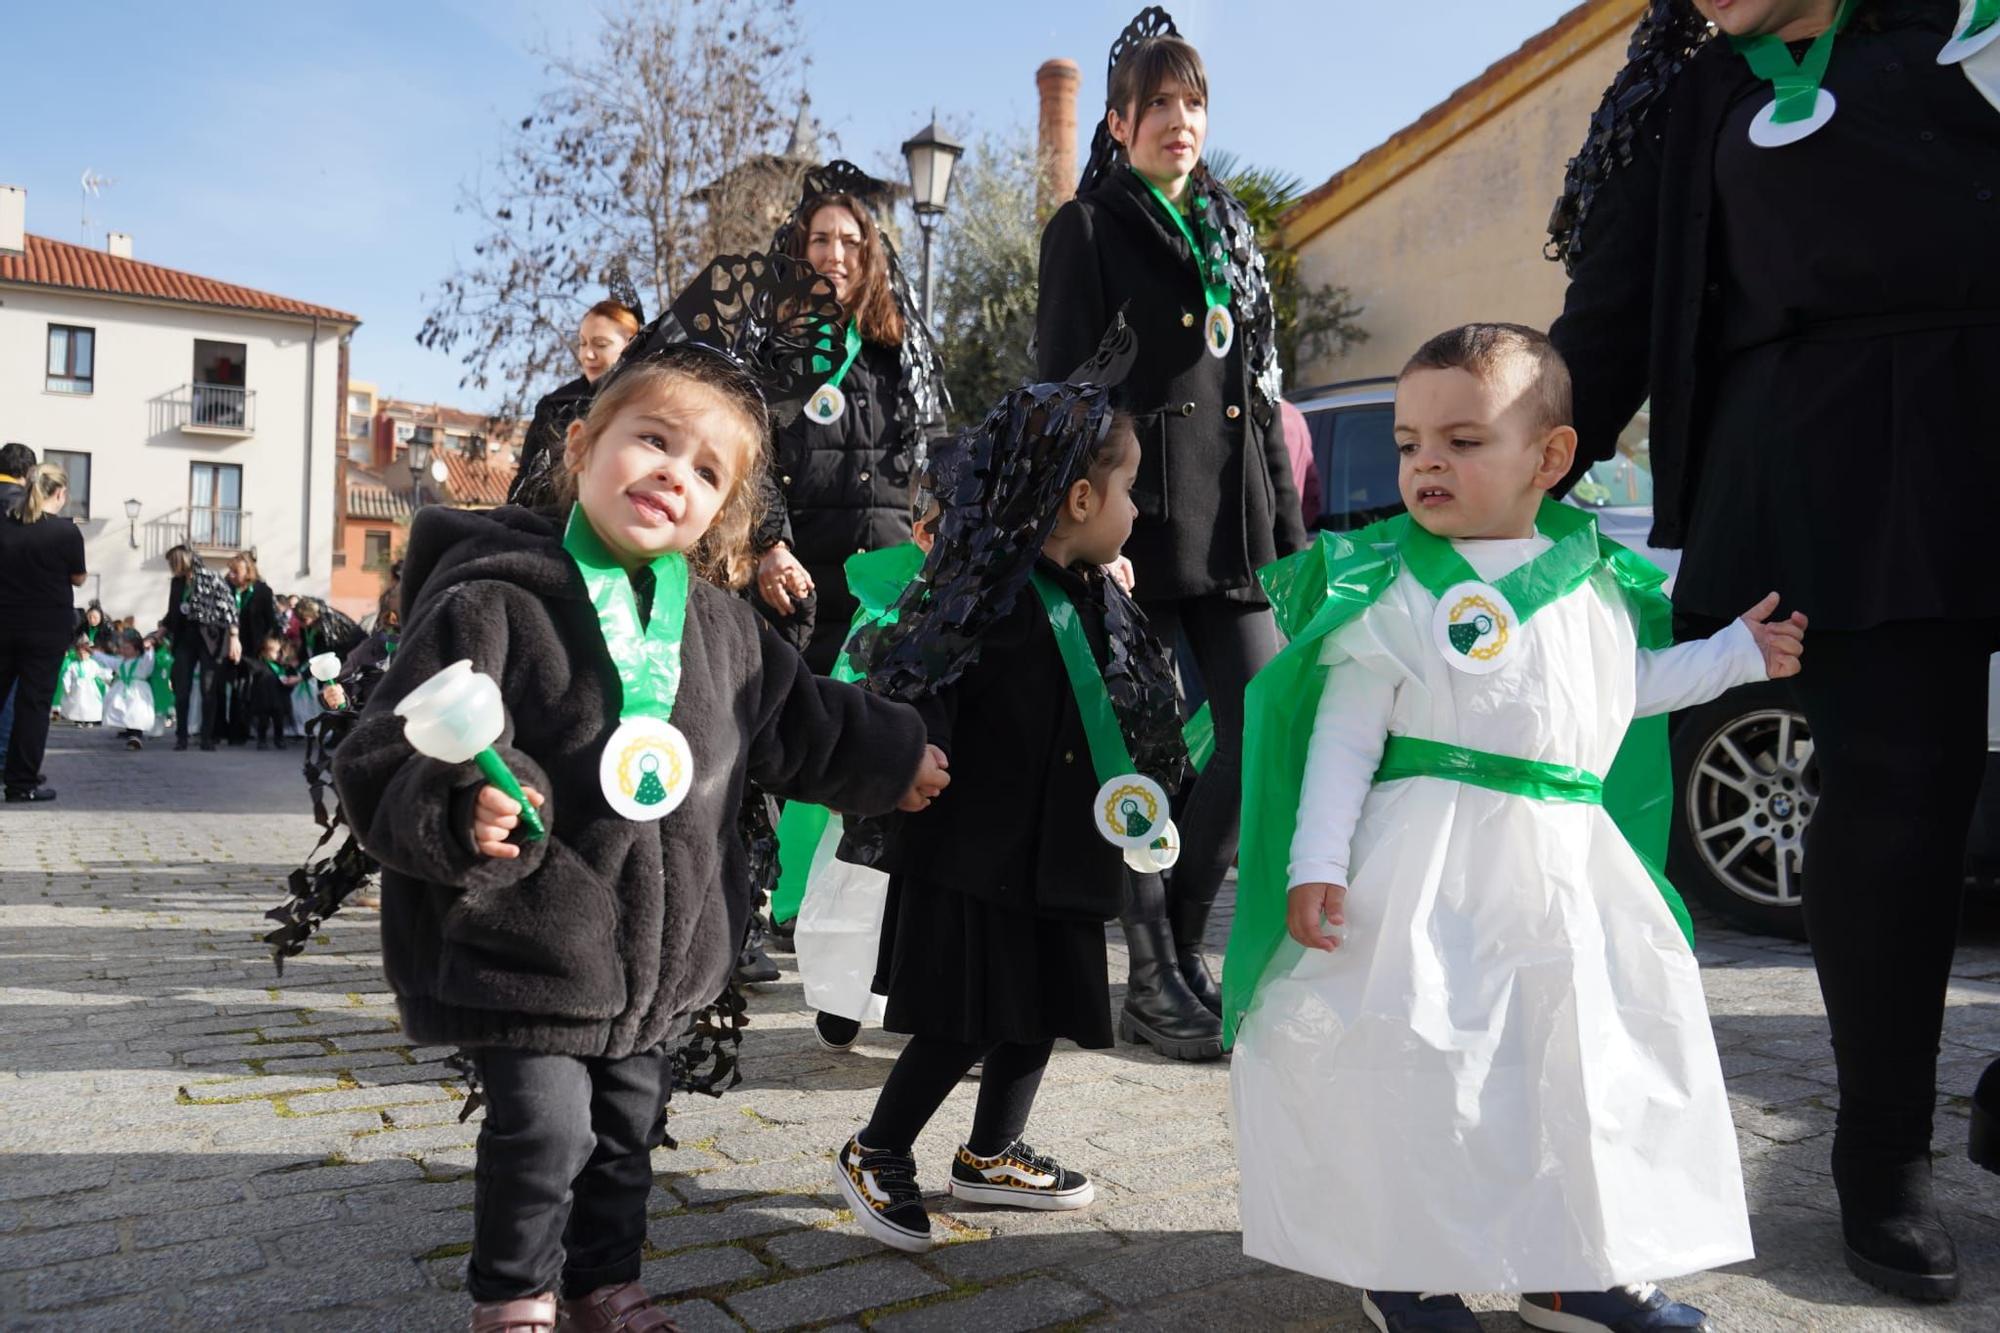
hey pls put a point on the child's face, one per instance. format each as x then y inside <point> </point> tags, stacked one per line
<point>660,471</point>
<point>1475,462</point>
<point>126,648</point>
<point>271,647</point>
<point>1098,512</point>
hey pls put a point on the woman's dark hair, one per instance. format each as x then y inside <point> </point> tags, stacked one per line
<point>875,310</point>
<point>182,561</point>
<point>386,612</point>
<point>618,313</point>
<point>1148,67</point>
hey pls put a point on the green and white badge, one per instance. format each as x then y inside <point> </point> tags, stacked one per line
<point>828,403</point>
<point>1211,260</point>
<point>1475,628</point>
<point>1161,854</point>
<point>1130,809</point>
<point>1800,106</point>
<point>647,768</point>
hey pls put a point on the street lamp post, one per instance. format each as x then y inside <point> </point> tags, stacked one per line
<point>931,155</point>
<point>420,463</point>
<point>132,522</point>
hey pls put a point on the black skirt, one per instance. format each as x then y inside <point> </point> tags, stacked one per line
<point>963,969</point>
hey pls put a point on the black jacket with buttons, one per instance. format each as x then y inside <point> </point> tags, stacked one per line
<point>1215,494</point>
<point>841,489</point>
<point>1014,827</point>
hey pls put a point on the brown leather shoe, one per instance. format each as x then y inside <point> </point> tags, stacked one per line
<point>528,1314</point>
<point>621,1309</point>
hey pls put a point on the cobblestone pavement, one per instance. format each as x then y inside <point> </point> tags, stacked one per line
<point>193,1142</point>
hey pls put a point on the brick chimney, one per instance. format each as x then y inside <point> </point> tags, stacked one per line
<point>1057,81</point>
<point>13,220</point>
<point>119,244</point>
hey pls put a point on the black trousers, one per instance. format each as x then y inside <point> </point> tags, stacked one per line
<point>564,1170</point>
<point>1898,718</point>
<point>193,649</point>
<point>1231,642</point>
<point>30,662</point>
<point>930,1067</point>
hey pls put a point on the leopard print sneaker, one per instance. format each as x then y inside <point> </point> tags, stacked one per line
<point>1019,1177</point>
<point>881,1188</point>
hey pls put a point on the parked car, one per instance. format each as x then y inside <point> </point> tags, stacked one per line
<point>1746,786</point>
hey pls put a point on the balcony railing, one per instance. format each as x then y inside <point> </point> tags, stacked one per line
<point>207,528</point>
<point>213,409</point>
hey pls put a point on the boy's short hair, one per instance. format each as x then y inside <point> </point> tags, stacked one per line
<point>1514,351</point>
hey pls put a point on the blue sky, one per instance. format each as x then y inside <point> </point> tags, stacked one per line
<point>318,150</point>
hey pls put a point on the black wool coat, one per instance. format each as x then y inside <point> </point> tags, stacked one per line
<point>1014,827</point>
<point>1641,308</point>
<point>601,939</point>
<point>257,619</point>
<point>1215,494</point>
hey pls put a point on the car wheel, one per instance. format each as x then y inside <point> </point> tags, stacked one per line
<point>1746,786</point>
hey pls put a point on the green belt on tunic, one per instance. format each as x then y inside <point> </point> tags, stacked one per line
<point>1414,757</point>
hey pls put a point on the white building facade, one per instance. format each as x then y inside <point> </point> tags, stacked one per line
<point>185,410</point>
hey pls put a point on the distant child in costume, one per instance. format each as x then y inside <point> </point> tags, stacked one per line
<point>80,687</point>
<point>1501,1076</point>
<point>836,905</point>
<point>640,698</point>
<point>128,703</point>
<point>1059,716</point>
<point>270,692</point>
<point>160,646</point>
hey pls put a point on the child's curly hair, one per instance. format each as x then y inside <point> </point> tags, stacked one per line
<point>724,555</point>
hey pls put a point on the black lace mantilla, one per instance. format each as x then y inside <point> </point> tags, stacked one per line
<point>1667,38</point>
<point>922,401</point>
<point>766,314</point>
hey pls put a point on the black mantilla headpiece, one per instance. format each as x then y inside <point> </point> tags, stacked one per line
<point>999,487</point>
<point>1256,314</point>
<point>619,287</point>
<point>922,401</point>
<point>765,314</point>
<point>1667,38</point>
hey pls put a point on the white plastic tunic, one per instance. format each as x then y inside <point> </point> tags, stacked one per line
<point>1504,1079</point>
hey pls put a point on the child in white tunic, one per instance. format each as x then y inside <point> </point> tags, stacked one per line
<point>1501,1076</point>
<point>80,688</point>
<point>128,702</point>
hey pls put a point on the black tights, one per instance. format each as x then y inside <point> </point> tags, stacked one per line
<point>1898,716</point>
<point>930,1067</point>
<point>1231,641</point>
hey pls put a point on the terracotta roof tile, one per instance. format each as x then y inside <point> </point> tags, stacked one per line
<point>479,484</point>
<point>49,263</point>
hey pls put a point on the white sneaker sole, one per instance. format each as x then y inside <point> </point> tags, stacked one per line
<point>872,1222</point>
<point>1011,1196</point>
<point>836,1047</point>
<point>1556,1321</point>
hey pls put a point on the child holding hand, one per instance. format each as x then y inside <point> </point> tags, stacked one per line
<point>1472,1050</point>
<point>639,701</point>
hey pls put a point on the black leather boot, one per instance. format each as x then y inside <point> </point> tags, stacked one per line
<point>1984,1145</point>
<point>1190,923</point>
<point>1160,1010</point>
<point>753,965</point>
<point>1894,1238</point>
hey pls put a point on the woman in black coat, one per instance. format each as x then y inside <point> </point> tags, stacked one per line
<point>841,472</point>
<point>201,618</point>
<point>256,620</point>
<point>600,341</point>
<point>1814,332</point>
<point>1215,493</point>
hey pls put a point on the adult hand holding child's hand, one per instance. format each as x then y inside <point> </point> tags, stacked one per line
<point>1307,906</point>
<point>931,779</point>
<point>495,815</point>
<point>1781,641</point>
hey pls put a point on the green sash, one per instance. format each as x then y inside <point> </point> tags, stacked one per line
<point>1315,593</point>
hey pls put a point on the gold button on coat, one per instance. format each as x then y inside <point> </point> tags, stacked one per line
<point>1187,319</point>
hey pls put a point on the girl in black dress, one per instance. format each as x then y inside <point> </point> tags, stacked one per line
<point>1035,675</point>
<point>841,472</point>
<point>1797,288</point>
<point>1152,233</point>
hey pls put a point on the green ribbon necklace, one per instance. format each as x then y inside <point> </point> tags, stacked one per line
<point>1210,262</point>
<point>127,669</point>
<point>1130,809</point>
<point>828,402</point>
<point>647,768</point>
<point>1799,108</point>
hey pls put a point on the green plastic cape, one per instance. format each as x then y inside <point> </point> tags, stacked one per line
<point>877,580</point>
<point>163,680</point>
<point>1313,594</point>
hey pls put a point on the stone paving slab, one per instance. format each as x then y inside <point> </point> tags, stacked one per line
<point>189,1140</point>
